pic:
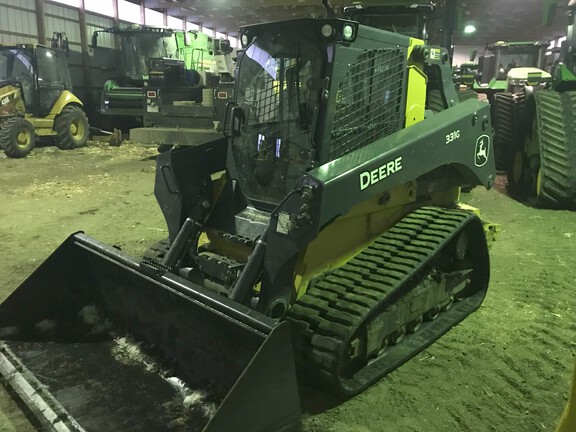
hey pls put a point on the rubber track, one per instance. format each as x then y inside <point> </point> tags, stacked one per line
<point>434,101</point>
<point>157,251</point>
<point>466,94</point>
<point>556,113</point>
<point>508,109</point>
<point>338,303</point>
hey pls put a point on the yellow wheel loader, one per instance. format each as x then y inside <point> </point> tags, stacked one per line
<point>323,236</point>
<point>36,100</point>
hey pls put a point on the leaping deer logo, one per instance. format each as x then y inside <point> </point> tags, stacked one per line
<point>482,150</point>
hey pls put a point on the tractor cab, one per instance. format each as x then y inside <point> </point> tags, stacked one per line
<point>139,46</point>
<point>39,71</point>
<point>406,17</point>
<point>496,68</point>
<point>122,95</point>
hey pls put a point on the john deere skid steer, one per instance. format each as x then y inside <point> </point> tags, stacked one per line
<point>323,236</point>
<point>36,100</point>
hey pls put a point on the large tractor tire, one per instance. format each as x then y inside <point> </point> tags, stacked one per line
<point>545,164</point>
<point>508,110</point>
<point>72,128</point>
<point>17,137</point>
<point>519,171</point>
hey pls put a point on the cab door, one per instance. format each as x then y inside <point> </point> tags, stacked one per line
<point>52,78</point>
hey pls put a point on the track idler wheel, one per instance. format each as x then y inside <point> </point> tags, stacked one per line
<point>433,313</point>
<point>398,335</point>
<point>415,324</point>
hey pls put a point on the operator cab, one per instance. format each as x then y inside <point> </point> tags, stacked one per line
<point>304,98</point>
<point>41,72</point>
<point>408,18</point>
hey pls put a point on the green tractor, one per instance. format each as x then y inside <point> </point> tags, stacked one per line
<point>36,100</point>
<point>544,153</point>
<point>506,74</point>
<point>506,66</point>
<point>123,96</point>
<point>185,99</point>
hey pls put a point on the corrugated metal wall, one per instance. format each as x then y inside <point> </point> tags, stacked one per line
<point>65,19</point>
<point>58,18</point>
<point>97,22</point>
<point>102,58</point>
<point>462,54</point>
<point>18,22</point>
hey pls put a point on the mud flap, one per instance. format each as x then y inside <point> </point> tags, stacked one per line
<point>90,343</point>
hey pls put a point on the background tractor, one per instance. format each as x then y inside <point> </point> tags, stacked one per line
<point>36,100</point>
<point>541,131</point>
<point>505,66</point>
<point>325,232</point>
<point>123,98</point>
<point>506,74</point>
<point>184,104</point>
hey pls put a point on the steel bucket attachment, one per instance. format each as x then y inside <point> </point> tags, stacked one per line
<point>90,343</point>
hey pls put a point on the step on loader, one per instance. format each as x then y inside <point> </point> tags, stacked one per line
<point>323,237</point>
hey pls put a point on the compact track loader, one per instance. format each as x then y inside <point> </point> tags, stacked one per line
<point>323,236</point>
<point>36,99</point>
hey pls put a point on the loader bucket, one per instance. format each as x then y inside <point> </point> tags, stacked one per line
<point>89,342</point>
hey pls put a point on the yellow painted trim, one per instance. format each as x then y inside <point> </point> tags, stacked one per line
<point>416,86</point>
<point>414,43</point>
<point>568,420</point>
<point>42,126</point>
<point>415,96</point>
<point>350,234</point>
<point>211,239</point>
<point>65,98</point>
<point>491,230</point>
<point>6,105</point>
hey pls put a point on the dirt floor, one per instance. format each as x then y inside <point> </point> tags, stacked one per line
<point>505,368</point>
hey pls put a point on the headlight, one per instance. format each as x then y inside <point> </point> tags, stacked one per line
<point>327,30</point>
<point>348,32</point>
